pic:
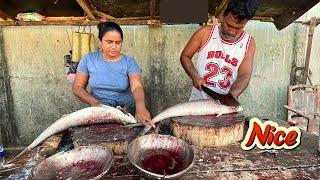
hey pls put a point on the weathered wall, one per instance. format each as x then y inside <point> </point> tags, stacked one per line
<point>41,94</point>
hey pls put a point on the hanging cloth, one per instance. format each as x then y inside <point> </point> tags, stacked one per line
<point>82,43</point>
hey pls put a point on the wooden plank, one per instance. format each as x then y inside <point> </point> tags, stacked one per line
<point>120,21</point>
<point>309,46</point>
<point>69,18</point>
<point>5,16</point>
<point>87,9</point>
<point>102,15</point>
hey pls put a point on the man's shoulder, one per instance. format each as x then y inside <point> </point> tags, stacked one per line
<point>207,28</point>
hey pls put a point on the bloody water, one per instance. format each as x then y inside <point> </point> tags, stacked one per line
<point>162,161</point>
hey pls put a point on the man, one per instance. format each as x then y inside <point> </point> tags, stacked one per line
<point>226,53</point>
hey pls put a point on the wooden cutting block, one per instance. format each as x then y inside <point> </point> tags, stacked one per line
<point>209,131</point>
<point>114,136</point>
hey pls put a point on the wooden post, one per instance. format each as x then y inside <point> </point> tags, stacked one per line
<point>309,46</point>
<point>152,8</point>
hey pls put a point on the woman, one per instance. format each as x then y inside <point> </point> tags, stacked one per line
<point>114,78</point>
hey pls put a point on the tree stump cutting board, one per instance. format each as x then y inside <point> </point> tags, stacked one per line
<point>114,136</point>
<point>209,131</point>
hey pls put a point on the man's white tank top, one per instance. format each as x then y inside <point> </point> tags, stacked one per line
<point>219,61</point>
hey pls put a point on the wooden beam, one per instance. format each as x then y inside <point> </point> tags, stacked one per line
<point>308,22</point>
<point>121,21</point>
<point>69,18</point>
<point>102,15</point>
<point>152,7</point>
<point>87,9</point>
<point>312,26</point>
<point>220,8</point>
<point>4,15</point>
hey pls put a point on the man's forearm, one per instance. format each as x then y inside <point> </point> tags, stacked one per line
<point>85,96</point>
<point>239,86</point>
<point>189,67</point>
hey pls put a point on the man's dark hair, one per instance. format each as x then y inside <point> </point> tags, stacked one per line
<point>241,9</point>
<point>105,27</point>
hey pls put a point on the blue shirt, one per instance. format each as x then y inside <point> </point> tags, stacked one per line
<point>109,80</point>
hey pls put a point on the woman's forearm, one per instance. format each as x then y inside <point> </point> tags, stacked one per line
<point>85,96</point>
<point>138,96</point>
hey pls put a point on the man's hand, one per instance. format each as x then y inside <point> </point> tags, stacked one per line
<point>143,116</point>
<point>198,82</point>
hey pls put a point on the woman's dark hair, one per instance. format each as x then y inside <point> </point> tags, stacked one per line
<point>105,27</point>
<point>241,9</point>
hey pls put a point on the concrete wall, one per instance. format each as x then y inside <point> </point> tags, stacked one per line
<point>41,94</point>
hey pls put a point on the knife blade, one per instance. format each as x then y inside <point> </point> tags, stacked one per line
<point>227,99</point>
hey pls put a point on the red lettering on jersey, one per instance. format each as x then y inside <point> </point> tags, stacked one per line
<point>227,59</point>
<point>228,73</point>
<point>218,54</point>
<point>213,69</point>
<point>210,54</point>
<point>234,62</point>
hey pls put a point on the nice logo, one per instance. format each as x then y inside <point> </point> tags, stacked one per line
<point>269,135</point>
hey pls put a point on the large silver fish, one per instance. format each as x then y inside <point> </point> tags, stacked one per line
<point>193,108</point>
<point>86,116</point>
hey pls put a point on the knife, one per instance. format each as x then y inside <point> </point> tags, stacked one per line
<point>227,99</point>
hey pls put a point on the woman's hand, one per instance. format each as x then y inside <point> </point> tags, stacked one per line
<point>143,116</point>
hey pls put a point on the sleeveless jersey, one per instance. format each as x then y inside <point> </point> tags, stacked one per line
<point>219,61</point>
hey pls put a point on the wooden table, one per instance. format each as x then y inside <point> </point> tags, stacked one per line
<point>231,162</point>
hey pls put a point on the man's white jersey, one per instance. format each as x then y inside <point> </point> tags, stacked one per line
<point>219,61</point>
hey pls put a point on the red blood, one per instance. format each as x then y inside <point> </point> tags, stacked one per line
<point>163,162</point>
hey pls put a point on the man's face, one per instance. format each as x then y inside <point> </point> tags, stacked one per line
<point>231,28</point>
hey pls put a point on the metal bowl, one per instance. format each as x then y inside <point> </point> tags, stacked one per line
<point>160,156</point>
<point>84,162</point>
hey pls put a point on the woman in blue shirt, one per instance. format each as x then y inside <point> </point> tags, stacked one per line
<point>114,78</point>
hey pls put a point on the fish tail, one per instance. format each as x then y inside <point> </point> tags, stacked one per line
<point>19,155</point>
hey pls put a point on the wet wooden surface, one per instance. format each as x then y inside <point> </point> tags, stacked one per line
<point>211,121</point>
<point>114,136</point>
<point>231,162</point>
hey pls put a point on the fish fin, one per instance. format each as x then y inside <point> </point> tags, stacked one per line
<point>145,130</point>
<point>22,153</point>
<point>219,114</point>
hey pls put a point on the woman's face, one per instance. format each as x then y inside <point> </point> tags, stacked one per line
<point>111,44</point>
